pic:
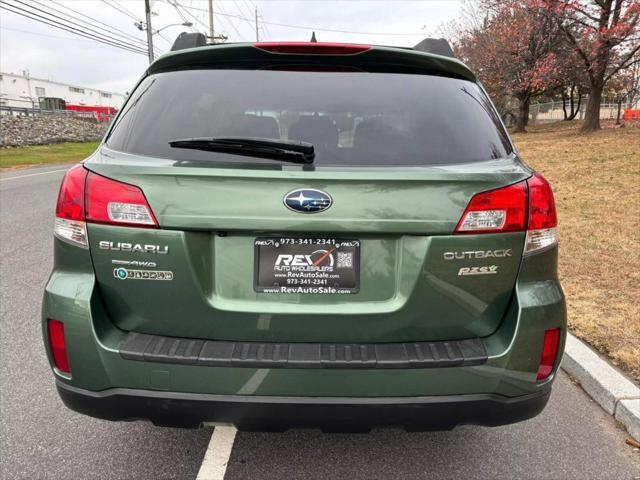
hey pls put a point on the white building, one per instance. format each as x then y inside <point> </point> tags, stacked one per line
<point>24,91</point>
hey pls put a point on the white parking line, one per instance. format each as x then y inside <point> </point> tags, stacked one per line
<point>214,463</point>
<point>33,174</point>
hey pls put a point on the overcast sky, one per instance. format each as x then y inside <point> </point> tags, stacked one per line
<point>47,52</point>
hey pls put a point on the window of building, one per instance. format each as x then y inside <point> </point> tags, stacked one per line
<point>76,90</point>
<point>41,92</point>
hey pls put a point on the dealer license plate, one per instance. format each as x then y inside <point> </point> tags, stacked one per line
<point>307,265</point>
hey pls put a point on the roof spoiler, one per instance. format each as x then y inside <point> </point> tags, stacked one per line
<point>189,40</point>
<point>437,46</point>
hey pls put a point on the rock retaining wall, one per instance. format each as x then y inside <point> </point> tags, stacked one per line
<point>19,131</point>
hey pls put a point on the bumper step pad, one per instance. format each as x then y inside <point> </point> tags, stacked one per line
<point>155,348</point>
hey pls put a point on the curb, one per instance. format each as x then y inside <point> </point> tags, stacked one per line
<point>617,395</point>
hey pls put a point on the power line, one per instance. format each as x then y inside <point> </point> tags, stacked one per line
<point>114,29</point>
<point>90,37</point>
<point>287,25</point>
<point>342,31</point>
<point>69,25</point>
<point>66,28</point>
<point>266,29</point>
<point>250,6</point>
<point>251,12</point>
<point>177,5</point>
<point>233,25</point>
<point>73,25</point>
<point>45,35</point>
<point>186,10</point>
<point>109,35</point>
<point>217,12</point>
<point>240,10</point>
<point>162,36</point>
<point>128,12</point>
<point>121,10</point>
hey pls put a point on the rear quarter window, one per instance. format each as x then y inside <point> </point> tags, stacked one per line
<point>352,118</point>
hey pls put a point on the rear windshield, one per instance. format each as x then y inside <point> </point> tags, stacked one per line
<point>352,118</point>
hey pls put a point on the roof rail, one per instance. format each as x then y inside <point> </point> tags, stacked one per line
<point>437,46</point>
<point>189,40</point>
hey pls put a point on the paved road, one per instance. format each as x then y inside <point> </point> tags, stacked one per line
<point>39,438</point>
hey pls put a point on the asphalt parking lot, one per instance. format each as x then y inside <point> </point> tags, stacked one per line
<point>40,438</point>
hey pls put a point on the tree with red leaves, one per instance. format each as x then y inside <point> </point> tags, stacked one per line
<point>513,51</point>
<point>605,35</point>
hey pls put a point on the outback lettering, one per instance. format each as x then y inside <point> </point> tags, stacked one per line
<point>477,254</point>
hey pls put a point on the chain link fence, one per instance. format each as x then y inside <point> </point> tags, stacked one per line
<point>554,112</point>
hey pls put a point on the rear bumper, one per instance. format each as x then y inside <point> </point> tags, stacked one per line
<point>114,377</point>
<point>190,410</point>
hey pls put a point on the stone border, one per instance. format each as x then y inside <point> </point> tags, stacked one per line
<point>617,395</point>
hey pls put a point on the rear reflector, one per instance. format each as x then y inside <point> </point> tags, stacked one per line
<point>58,346</point>
<point>117,203</point>
<point>308,48</point>
<point>550,346</point>
<point>70,224</point>
<point>496,211</point>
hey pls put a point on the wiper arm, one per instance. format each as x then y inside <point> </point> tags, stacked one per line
<point>283,150</point>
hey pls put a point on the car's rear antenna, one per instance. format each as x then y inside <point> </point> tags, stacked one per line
<point>313,38</point>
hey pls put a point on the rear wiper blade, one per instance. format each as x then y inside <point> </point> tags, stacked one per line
<point>283,150</point>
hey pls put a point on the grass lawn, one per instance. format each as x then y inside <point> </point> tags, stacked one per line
<point>596,180</point>
<point>43,154</point>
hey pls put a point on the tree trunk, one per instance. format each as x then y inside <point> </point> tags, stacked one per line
<point>523,114</point>
<point>592,114</point>
<point>574,113</point>
<point>619,108</point>
<point>564,105</point>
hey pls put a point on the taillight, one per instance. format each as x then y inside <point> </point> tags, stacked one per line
<point>550,347</point>
<point>309,48</point>
<point>58,345</point>
<point>542,216</point>
<point>70,224</point>
<point>527,205</point>
<point>116,203</point>
<point>88,197</point>
<point>496,211</point>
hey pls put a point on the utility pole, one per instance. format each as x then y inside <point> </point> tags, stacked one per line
<point>211,31</point>
<point>257,35</point>
<point>147,13</point>
<point>212,34</point>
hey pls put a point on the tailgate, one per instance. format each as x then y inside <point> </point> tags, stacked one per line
<point>415,280</point>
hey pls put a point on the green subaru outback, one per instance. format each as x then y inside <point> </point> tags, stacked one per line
<point>279,235</point>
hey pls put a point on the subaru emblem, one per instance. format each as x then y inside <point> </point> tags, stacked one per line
<point>307,200</point>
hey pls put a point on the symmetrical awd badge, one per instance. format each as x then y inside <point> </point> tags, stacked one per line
<point>307,200</point>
